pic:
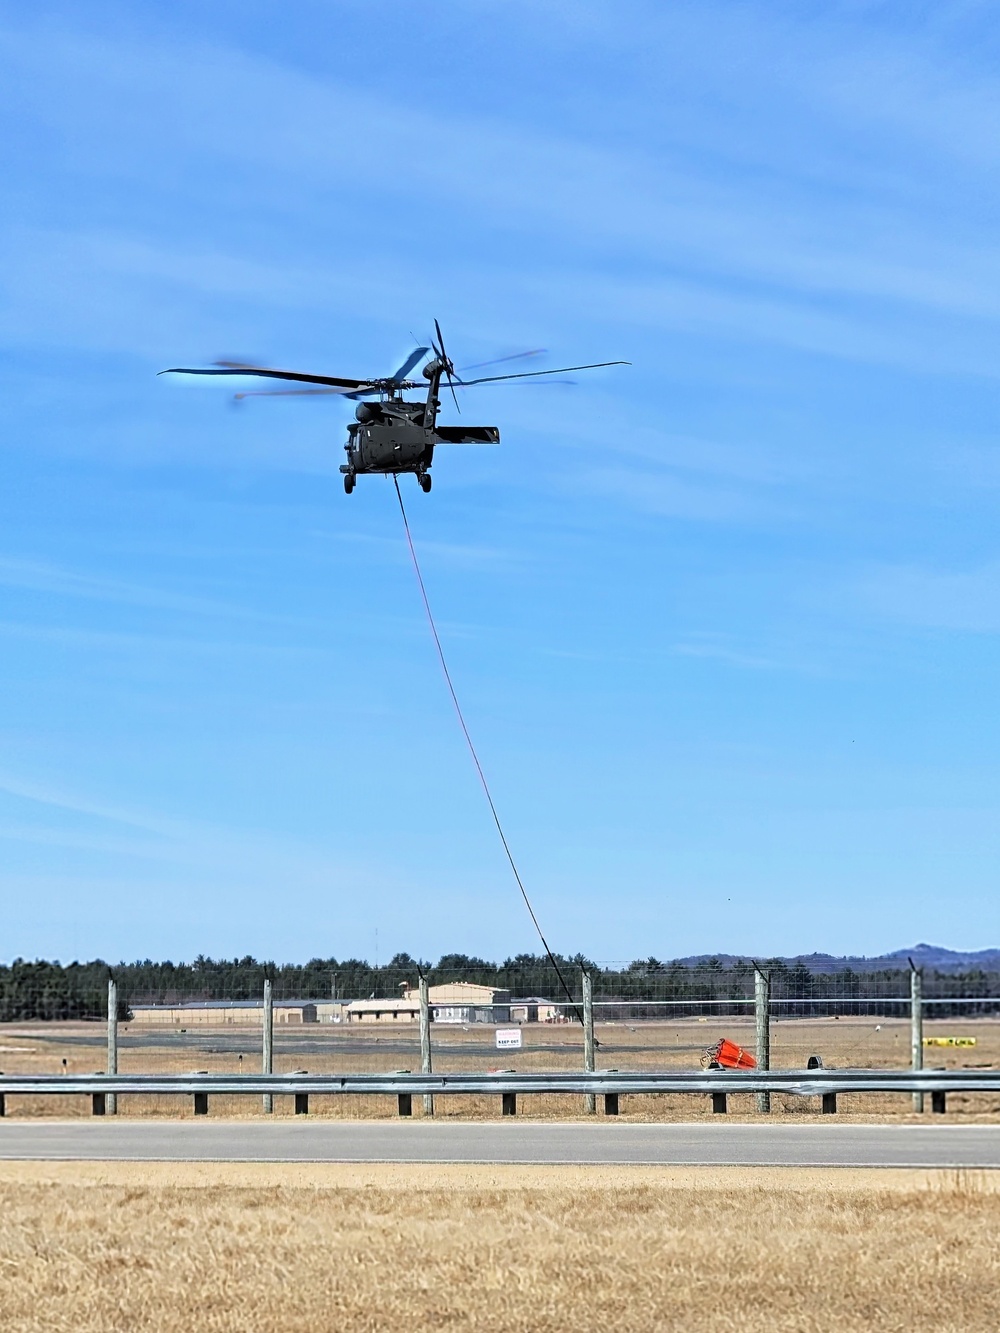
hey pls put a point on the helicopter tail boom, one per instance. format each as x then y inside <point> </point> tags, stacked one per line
<point>467,434</point>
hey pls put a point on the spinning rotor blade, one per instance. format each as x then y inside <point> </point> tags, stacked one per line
<point>291,393</point>
<point>416,355</point>
<point>273,375</point>
<point>531,374</point>
<point>465,384</point>
<point>448,366</point>
<point>515,356</point>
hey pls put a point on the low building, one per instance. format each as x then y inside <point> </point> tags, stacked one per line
<point>221,1013</point>
<point>454,1002</point>
<point>534,1009</point>
<point>382,1011</point>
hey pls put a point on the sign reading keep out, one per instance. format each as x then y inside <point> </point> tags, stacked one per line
<point>508,1039</point>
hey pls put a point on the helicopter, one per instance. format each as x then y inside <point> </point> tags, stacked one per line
<point>392,434</point>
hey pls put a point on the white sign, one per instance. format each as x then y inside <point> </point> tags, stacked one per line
<point>508,1038</point>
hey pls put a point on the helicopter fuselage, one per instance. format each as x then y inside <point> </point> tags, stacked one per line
<point>390,436</point>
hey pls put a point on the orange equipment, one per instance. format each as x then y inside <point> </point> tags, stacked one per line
<point>730,1056</point>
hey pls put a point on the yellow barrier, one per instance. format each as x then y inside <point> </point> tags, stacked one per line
<point>949,1041</point>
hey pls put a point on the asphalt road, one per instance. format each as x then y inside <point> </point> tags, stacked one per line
<point>393,1141</point>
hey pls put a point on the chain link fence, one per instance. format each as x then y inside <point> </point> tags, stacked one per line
<point>352,1017</point>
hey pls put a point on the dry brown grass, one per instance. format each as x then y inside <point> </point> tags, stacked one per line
<point>503,1249</point>
<point>881,1043</point>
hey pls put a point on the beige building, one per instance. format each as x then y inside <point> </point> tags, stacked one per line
<point>222,1013</point>
<point>455,1002</point>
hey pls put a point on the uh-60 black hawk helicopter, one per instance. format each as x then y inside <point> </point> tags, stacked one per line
<point>392,434</point>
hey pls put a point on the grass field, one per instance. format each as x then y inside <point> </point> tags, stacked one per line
<point>224,1247</point>
<point>881,1043</point>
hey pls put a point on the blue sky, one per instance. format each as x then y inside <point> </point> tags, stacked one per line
<point>724,622</point>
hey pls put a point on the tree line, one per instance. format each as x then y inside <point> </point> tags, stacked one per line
<point>54,991</point>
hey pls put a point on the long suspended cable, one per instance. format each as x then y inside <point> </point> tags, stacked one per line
<point>472,749</point>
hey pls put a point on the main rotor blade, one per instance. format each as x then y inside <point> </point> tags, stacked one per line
<point>515,356</point>
<point>416,355</point>
<point>464,384</point>
<point>272,375</point>
<point>531,374</point>
<point>292,393</point>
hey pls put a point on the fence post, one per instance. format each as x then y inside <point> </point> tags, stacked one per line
<point>111,1100</point>
<point>589,1049</point>
<point>762,1016</point>
<point>425,1041</point>
<point>916,1030</point>
<point>267,1063</point>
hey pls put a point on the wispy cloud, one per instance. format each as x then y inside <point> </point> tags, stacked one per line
<point>733,656</point>
<point>201,848</point>
<point>62,581</point>
<point>665,493</point>
<point>762,257</point>
<point>962,600</point>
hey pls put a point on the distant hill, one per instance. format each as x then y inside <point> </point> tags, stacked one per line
<point>930,956</point>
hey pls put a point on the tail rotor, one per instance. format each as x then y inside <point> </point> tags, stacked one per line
<point>446,364</point>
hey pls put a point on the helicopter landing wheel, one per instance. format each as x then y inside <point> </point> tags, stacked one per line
<point>349,480</point>
<point>425,482</point>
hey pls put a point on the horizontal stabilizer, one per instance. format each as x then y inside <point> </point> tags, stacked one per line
<point>468,434</point>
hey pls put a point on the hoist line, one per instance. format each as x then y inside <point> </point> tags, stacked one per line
<point>472,749</point>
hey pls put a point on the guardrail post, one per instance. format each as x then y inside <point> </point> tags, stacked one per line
<point>938,1102</point>
<point>917,1031</point>
<point>762,1019</point>
<point>302,1098</point>
<point>201,1103</point>
<point>267,1057</point>
<point>112,1097</point>
<point>719,1103</point>
<point>509,1103</point>
<point>425,1041</point>
<point>829,1099</point>
<point>611,1103</point>
<point>589,1048</point>
<point>404,1103</point>
<point>99,1102</point>
<point>3,1103</point>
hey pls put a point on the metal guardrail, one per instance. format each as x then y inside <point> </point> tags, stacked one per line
<point>803,1083</point>
<point>789,1002</point>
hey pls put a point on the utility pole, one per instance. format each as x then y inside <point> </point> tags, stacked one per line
<point>762,1017</point>
<point>425,1040</point>
<point>916,1030</point>
<point>111,1101</point>
<point>267,1063</point>
<point>589,1048</point>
